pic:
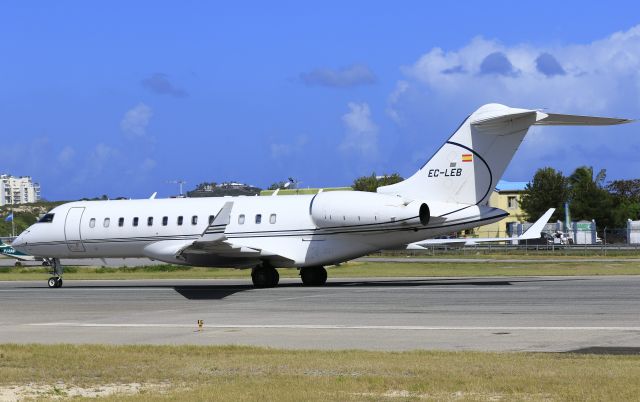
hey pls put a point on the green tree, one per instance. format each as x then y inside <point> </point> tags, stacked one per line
<point>626,201</point>
<point>372,182</point>
<point>276,186</point>
<point>589,198</point>
<point>548,189</point>
<point>628,190</point>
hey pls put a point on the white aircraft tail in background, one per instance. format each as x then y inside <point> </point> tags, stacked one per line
<point>534,232</point>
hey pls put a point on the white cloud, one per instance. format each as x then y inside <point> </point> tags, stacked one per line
<point>148,164</point>
<point>394,98</point>
<point>361,133</point>
<point>160,84</point>
<point>66,155</point>
<point>357,74</point>
<point>101,156</point>
<point>597,78</point>
<point>591,77</point>
<point>135,121</point>
<point>284,150</point>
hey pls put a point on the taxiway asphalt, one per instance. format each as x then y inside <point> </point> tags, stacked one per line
<point>499,313</point>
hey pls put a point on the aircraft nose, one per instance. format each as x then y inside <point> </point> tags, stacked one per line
<point>20,241</point>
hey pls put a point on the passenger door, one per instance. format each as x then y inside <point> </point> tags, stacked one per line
<point>72,229</point>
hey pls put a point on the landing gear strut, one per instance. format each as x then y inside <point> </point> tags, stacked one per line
<point>265,276</point>
<point>313,276</point>
<point>56,280</point>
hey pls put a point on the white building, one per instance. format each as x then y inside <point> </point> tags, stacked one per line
<point>18,190</point>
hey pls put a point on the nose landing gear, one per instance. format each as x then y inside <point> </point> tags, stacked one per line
<point>56,280</point>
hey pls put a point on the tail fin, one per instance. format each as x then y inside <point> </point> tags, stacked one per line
<point>534,232</point>
<point>468,166</point>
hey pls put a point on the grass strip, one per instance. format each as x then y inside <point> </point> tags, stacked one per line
<point>249,373</point>
<point>348,270</point>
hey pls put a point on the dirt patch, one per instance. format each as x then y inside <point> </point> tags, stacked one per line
<point>14,393</point>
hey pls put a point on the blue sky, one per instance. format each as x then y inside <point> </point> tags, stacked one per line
<point>120,97</point>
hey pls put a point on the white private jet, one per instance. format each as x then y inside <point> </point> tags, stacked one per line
<point>449,193</point>
<point>533,232</point>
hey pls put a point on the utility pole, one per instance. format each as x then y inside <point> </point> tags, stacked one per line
<point>179,182</point>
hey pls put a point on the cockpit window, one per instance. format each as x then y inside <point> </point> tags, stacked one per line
<point>46,218</point>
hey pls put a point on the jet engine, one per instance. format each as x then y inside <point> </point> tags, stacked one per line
<point>347,208</point>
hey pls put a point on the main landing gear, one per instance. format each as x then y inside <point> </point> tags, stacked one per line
<point>265,276</point>
<point>56,280</point>
<point>313,276</point>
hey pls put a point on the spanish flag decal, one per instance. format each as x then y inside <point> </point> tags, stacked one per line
<point>467,157</point>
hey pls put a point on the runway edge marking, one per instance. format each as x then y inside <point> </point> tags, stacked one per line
<point>329,326</point>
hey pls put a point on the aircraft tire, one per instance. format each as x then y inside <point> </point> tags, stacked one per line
<point>17,264</point>
<point>265,277</point>
<point>55,282</point>
<point>313,276</point>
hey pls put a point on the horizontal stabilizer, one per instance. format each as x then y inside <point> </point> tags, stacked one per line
<point>554,119</point>
<point>492,118</point>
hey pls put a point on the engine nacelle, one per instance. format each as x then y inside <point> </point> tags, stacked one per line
<point>351,208</point>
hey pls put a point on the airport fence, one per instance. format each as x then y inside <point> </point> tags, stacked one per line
<point>611,242</point>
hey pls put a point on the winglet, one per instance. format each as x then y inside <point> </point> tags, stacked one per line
<point>153,196</point>
<point>215,231</point>
<point>534,231</point>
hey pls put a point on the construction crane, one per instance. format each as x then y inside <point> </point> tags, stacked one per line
<point>179,182</point>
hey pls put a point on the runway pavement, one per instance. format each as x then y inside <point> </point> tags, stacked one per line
<point>530,313</point>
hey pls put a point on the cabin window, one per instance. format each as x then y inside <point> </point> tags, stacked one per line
<point>92,223</point>
<point>107,222</point>
<point>194,220</point>
<point>135,221</point>
<point>211,219</point>
<point>180,220</point>
<point>150,221</point>
<point>46,218</point>
<point>165,220</point>
<point>258,218</point>
<point>272,218</point>
<point>241,219</point>
<point>121,222</point>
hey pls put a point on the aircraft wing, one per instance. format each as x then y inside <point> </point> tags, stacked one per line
<point>534,232</point>
<point>213,247</point>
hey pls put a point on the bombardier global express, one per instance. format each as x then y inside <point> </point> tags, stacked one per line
<point>449,193</point>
